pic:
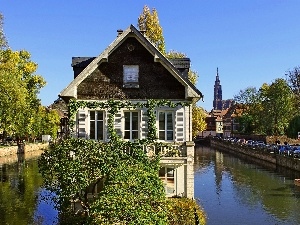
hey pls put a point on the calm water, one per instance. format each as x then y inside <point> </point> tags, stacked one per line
<point>20,193</point>
<point>235,192</point>
<point>231,191</point>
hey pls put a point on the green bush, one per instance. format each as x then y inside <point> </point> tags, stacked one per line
<point>185,211</point>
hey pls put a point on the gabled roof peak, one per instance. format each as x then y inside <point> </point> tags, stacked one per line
<point>93,63</point>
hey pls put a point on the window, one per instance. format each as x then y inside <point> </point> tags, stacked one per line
<point>131,125</point>
<point>131,76</point>
<point>96,125</point>
<point>166,174</point>
<point>165,126</point>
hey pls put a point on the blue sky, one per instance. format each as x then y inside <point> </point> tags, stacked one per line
<point>251,41</point>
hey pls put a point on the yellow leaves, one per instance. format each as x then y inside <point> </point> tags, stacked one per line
<point>17,61</point>
<point>193,76</point>
<point>148,21</point>
<point>18,87</point>
<point>198,120</point>
<point>30,67</point>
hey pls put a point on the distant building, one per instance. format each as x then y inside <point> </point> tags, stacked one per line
<point>218,103</point>
<point>230,120</point>
<point>214,123</point>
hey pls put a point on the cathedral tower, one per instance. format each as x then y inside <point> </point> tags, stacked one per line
<point>217,103</point>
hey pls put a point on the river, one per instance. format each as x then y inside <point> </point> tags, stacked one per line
<point>21,193</point>
<point>231,191</point>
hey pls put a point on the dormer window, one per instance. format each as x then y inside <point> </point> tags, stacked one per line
<point>131,76</point>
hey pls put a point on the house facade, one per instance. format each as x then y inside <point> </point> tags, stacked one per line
<point>132,70</point>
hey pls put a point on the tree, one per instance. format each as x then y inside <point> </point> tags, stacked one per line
<point>19,88</point>
<point>198,120</point>
<point>148,22</point>
<point>294,127</point>
<point>3,41</point>
<point>293,80</point>
<point>278,106</point>
<point>247,96</point>
<point>250,103</point>
<point>50,122</point>
<point>268,110</point>
<point>12,101</point>
<point>44,121</point>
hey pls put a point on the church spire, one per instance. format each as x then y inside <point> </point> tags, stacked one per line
<point>217,103</point>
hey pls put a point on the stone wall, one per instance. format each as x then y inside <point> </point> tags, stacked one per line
<point>12,150</point>
<point>257,154</point>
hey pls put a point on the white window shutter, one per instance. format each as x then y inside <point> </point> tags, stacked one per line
<point>144,124</point>
<point>179,125</point>
<point>81,124</point>
<point>118,123</point>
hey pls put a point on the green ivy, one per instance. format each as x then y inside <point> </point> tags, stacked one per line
<point>132,192</point>
<point>114,106</point>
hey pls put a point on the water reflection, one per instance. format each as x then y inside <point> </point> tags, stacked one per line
<point>234,191</point>
<point>231,190</point>
<point>20,192</point>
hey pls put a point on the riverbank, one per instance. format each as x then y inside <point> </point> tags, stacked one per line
<point>257,154</point>
<point>28,148</point>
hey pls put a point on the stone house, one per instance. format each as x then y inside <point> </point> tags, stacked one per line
<point>132,69</point>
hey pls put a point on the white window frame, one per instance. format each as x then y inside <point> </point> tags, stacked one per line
<point>96,120</point>
<point>130,76</point>
<point>165,130</point>
<point>131,130</point>
<point>168,178</point>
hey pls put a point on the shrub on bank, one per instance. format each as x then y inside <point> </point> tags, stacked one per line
<point>185,211</point>
<point>282,139</point>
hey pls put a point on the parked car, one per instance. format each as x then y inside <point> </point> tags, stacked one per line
<point>281,149</point>
<point>260,144</point>
<point>285,150</point>
<point>272,148</point>
<point>249,142</point>
<point>296,153</point>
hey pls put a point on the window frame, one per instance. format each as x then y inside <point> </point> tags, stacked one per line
<point>166,129</point>
<point>131,76</point>
<point>168,181</point>
<point>130,130</point>
<point>96,120</point>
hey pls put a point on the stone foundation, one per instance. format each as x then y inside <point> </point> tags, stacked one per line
<point>257,154</point>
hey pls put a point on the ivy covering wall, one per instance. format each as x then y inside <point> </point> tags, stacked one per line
<point>132,192</point>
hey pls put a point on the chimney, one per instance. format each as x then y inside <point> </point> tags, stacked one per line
<point>182,64</point>
<point>120,31</point>
<point>143,32</point>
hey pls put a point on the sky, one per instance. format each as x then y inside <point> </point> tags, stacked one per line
<point>251,42</point>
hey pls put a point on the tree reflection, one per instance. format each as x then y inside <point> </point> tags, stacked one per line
<point>18,192</point>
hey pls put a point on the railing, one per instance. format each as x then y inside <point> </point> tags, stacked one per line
<point>172,150</point>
